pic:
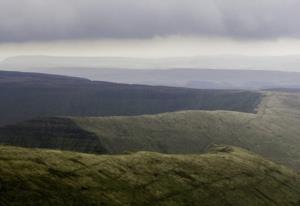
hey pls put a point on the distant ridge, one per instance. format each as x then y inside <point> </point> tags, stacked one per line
<point>29,95</point>
<point>182,72</point>
<point>283,63</point>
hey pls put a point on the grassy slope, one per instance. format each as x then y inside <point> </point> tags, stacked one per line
<point>224,176</point>
<point>272,132</point>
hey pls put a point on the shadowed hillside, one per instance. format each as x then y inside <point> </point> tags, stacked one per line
<point>55,133</point>
<point>28,95</point>
<point>224,176</point>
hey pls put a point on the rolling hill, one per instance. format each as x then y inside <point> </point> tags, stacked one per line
<point>223,176</point>
<point>271,132</point>
<point>29,95</point>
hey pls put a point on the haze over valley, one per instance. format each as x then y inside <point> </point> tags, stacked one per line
<point>194,72</point>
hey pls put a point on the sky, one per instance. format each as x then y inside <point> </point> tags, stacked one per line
<point>149,29</point>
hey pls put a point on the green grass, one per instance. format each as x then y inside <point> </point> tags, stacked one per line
<point>272,131</point>
<point>224,176</point>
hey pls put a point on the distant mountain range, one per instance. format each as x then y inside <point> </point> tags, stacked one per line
<point>237,62</point>
<point>227,72</point>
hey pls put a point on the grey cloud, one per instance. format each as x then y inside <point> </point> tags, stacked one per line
<point>44,20</point>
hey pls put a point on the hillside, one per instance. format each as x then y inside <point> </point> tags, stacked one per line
<point>29,95</point>
<point>271,132</point>
<point>224,176</point>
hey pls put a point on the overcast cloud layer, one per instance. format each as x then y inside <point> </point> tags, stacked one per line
<point>44,20</point>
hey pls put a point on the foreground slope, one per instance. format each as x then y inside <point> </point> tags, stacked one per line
<point>224,176</point>
<point>272,132</point>
<point>29,95</point>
